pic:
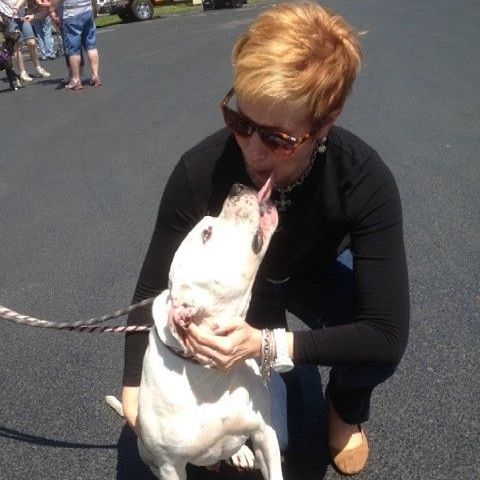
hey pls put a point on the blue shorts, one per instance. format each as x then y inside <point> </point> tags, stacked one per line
<point>78,32</point>
<point>25,28</point>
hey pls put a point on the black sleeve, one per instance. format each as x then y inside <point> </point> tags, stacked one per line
<point>177,214</point>
<point>379,334</point>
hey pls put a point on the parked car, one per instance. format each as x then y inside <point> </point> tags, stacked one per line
<point>130,10</point>
<point>137,10</point>
<point>216,4</point>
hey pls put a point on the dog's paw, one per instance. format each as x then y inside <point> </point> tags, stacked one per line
<point>114,403</point>
<point>244,459</point>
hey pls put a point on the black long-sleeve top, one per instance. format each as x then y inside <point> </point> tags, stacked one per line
<point>349,191</point>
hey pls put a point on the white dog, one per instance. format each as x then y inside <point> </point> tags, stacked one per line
<point>187,411</point>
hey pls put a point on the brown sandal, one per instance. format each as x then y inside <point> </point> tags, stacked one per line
<point>95,81</point>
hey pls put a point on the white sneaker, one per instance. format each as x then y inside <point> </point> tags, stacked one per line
<point>25,77</point>
<point>42,73</point>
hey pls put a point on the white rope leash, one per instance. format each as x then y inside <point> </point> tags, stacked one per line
<point>88,326</point>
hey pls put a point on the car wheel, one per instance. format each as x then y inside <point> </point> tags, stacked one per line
<point>141,9</point>
<point>208,5</point>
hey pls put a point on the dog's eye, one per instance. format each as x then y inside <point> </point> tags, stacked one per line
<point>257,242</point>
<point>206,234</point>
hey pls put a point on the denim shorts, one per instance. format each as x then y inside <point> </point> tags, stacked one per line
<point>25,28</point>
<point>79,32</point>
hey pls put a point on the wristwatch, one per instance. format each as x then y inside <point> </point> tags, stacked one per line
<point>283,363</point>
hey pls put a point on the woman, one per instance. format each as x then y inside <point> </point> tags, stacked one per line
<point>13,13</point>
<point>293,70</point>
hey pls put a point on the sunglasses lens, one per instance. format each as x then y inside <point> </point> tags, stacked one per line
<point>276,141</point>
<point>243,127</point>
<point>235,121</point>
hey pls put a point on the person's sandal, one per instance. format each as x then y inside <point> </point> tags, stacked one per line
<point>95,81</point>
<point>352,461</point>
<point>74,85</point>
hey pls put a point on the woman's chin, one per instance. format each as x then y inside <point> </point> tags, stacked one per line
<point>258,178</point>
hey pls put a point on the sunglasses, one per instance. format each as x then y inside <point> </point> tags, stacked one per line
<point>241,125</point>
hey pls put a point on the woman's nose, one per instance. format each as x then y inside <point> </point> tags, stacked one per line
<point>256,148</point>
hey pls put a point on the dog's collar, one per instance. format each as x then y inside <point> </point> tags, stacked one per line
<point>181,354</point>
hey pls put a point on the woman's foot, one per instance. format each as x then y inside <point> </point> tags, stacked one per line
<point>74,85</point>
<point>42,73</point>
<point>95,81</point>
<point>25,77</point>
<point>347,443</point>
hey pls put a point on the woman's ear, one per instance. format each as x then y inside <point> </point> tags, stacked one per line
<point>328,122</point>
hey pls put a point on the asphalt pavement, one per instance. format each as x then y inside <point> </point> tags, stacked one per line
<point>81,175</point>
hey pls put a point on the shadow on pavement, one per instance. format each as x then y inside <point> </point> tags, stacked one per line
<point>48,442</point>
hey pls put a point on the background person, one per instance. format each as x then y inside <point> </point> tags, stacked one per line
<point>77,21</point>
<point>293,69</point>
<point>42,28</point>
<point>14,13</point>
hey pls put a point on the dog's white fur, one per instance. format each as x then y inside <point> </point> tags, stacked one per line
<point>187,412</point>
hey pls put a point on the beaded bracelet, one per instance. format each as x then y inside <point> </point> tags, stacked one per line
<point>268,352</point>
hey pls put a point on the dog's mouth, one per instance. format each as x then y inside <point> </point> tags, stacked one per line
<point>267,213</point>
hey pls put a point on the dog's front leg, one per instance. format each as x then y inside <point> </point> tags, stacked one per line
<point>267,453</point>
<point>12,78</point>
<point>170,471</point>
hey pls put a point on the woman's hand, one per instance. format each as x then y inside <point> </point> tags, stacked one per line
<point>226,345</point>
<point>28,18</point>
<point>130,407</point>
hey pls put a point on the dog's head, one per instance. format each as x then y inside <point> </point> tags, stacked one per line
<point>213,270</point>
<point>10,39</point>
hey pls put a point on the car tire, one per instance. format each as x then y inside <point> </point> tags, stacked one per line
<point>141,10</point>
<point>208,5</point>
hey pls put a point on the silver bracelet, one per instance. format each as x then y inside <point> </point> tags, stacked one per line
<point>268,353</point>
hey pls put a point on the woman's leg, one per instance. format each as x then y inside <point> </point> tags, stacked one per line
<point>48,38</point>
<point>37,26</point>
<point>327,302</point>
<point>33,50</point>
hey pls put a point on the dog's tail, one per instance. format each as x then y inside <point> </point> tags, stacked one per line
<point>114,403</point>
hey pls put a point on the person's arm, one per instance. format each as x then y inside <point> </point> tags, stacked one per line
<point>36,15</point>
<point>129,398</point>
<point>379,333</point>
<point>17,6</point>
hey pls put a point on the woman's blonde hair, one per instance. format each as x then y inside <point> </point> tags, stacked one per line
<point>299,53</point>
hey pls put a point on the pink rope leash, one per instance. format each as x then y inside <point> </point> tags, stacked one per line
<point>81,326</point>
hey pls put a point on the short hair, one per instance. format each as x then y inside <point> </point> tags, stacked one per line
<point>299,53</point>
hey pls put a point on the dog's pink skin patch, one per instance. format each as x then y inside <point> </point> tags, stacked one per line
<point>178,320</point>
